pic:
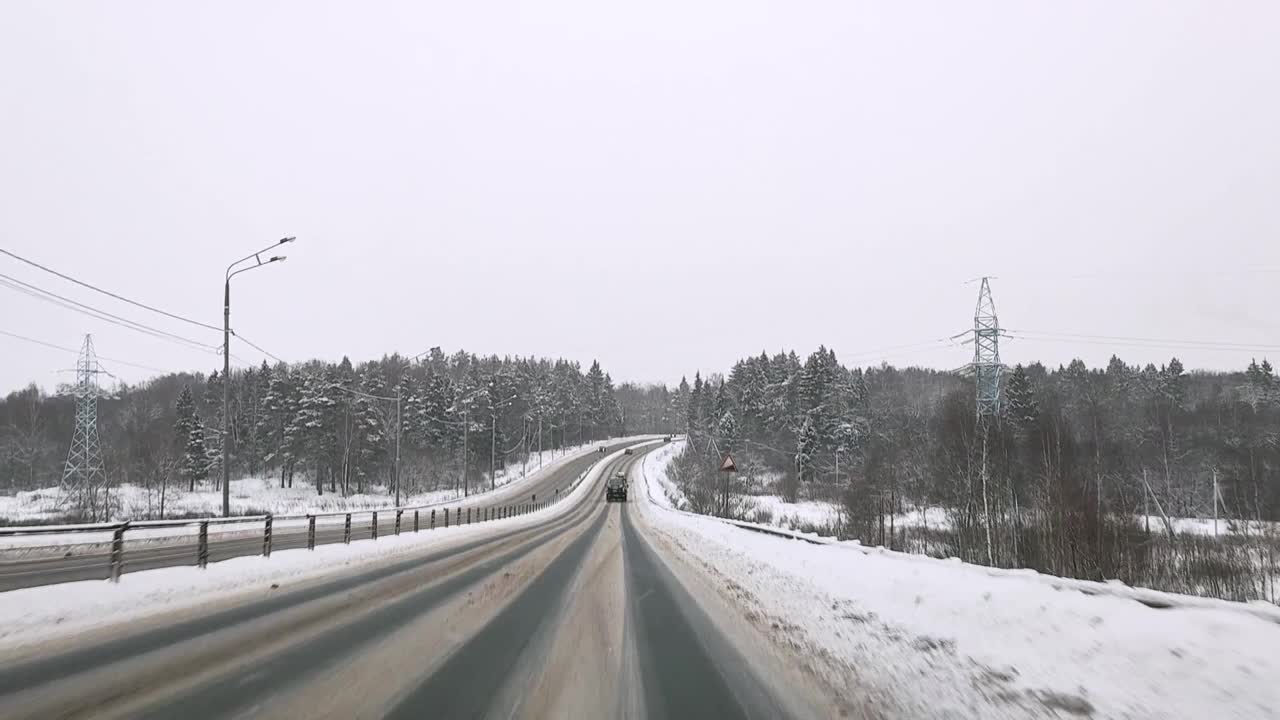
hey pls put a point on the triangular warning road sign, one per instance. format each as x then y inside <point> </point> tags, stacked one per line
<point>728,465</point>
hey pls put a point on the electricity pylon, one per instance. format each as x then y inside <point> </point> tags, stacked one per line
<point>987,372</point>
<point>987,369</point>
<point>84,474</point>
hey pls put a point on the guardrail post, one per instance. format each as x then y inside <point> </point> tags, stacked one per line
<point>346,531</point>
<point>446,517</point>
<point>486,515</point>
<point>374,531</point>
<point>433,519</point>
<point>266,537</point>
<point>415,521</point>
<point>202,549</point>
<point>458,521</point>
<point>311,532</point>
<point>468,516</point>
<point>398,512</point>
<point>117,551</point>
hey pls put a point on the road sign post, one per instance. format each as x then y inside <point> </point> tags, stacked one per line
<point>728,467</point>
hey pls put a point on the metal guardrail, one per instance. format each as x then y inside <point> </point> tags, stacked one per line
<point>264,526</point>
<point>260,535</point>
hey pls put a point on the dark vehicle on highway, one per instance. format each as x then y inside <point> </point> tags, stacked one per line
<point>616,489</point>
<point>627,451</point>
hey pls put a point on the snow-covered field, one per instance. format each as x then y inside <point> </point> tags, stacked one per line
<point>940,638</point>
<point>255,496</point>
<point>36,615</point>
<point>773,510</point>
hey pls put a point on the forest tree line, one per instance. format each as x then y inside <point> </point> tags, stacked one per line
<point>323,424</point>
<point>1075,462</point>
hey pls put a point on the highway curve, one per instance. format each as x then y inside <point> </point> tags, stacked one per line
<point>581,617</point>
<point>28,567</point>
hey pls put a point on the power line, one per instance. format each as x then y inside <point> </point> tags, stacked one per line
<point>259,348</point>
<point>108,292</point>
<point>77,352</point>
<point>47,296</point>
<point>938,343</point>
<point>1115,344</point>
<point>1140,341</point>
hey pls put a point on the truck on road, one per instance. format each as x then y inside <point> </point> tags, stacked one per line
<point>616,488</point>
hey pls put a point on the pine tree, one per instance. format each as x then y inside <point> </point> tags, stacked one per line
<point>312,425</point>
<point>189,439</point>
<point>1020,402</point>
<point>196,461</point>
<point>185,412</point>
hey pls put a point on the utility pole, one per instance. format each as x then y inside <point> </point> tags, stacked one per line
<point>399,425</point>
<point>395,477</point>
<point>466,427</point>
<point>539,442</point>
<point>1215,502</point>
<point>226,396</point>
<point>493,451</point>
<point>524,441</point>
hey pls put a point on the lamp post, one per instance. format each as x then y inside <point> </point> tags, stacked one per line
<point>226,360</point>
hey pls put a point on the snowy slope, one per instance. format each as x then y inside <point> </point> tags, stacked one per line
<point>937,638</point>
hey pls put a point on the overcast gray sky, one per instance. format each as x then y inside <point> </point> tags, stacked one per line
<point>665,186</point>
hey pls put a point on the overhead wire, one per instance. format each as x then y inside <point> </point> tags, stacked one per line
<point>1150,346</point>
<point>75,351</point>
<point>1133,341</point>
<point>257,347</point>
<point>108,293</point>
<point>67,303</point>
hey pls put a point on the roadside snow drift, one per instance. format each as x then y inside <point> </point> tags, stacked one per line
<point>32,616</point>
<point>938,638</point>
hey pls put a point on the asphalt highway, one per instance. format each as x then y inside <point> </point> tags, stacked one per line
<point>585,615</point>
<point>32,567</point>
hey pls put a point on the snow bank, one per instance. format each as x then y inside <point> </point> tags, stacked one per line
<point>35,615</point>
<point>264,495</point>
<point>938,638</point>
<point>662,490</point>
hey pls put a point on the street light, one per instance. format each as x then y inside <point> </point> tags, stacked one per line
<point>226,360</point>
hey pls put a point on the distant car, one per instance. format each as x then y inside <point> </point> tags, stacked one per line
<point>627,451</point>
<point>666,439</point>
<point>616,489</point>
<point>602,450</point>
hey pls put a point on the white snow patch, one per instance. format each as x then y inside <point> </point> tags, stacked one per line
<point>774,510</point>
<point>264,495</point>
<point>939,638</point>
